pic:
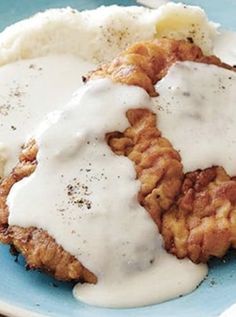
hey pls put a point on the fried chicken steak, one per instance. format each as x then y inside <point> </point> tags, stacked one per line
<point>194,212</point>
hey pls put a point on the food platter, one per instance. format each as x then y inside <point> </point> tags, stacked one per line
<point>34,294</point>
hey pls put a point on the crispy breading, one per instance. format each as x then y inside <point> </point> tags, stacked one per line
<point>145,63</point>
<point>157,164</point>
<point>203,221</point>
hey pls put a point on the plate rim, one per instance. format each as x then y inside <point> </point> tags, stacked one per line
<point>10,310</point>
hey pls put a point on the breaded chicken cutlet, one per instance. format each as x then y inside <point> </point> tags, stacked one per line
<point>164,187</point>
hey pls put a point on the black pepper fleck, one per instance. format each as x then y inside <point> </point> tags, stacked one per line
<point>190,39</point>
<point>186,94</point>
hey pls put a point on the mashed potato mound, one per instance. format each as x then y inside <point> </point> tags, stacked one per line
<point>178,21</point>
<point>99,35</point>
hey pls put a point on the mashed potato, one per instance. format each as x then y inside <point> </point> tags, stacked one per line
<point>99,35</point>
<point>179,21</point>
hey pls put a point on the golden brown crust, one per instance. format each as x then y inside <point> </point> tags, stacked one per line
<point>157,164</point>
<point>203,221</point>
<point>145,63</point>
<point>158,168</point>
<point>42,252</point>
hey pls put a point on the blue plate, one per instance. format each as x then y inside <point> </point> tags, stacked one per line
<point>27,294</point>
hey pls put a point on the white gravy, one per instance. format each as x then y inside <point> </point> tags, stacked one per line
<point>85,196</point>
<point>197,113</point>
<point>29,90</point>
<point>225,47</point>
